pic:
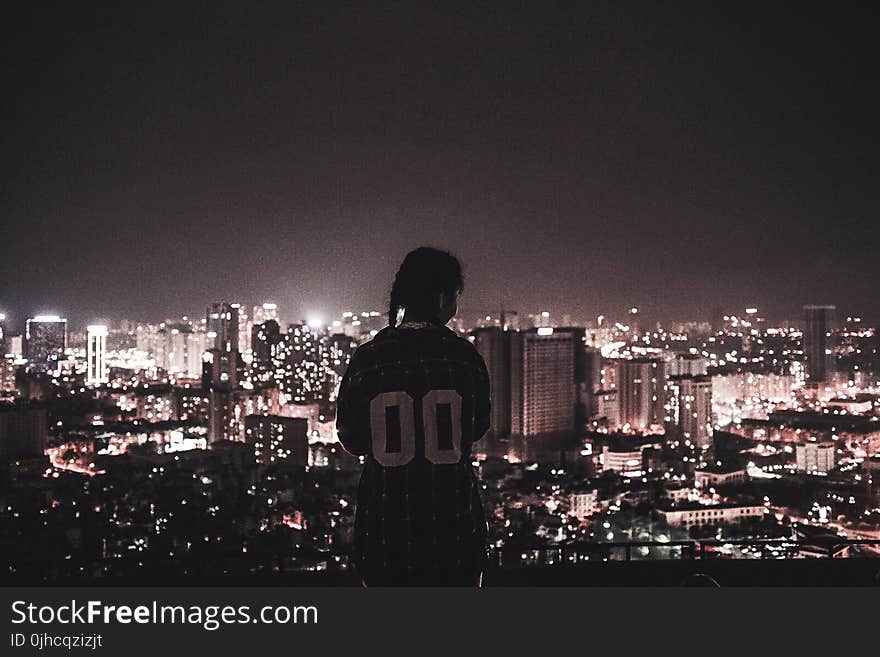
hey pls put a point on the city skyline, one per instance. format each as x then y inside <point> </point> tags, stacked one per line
<point>575,156</point>
<point>211,449</point>
<point>469,316</point>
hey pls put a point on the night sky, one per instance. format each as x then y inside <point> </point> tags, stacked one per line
<point>579,157</point>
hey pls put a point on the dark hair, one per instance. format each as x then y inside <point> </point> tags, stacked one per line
<point>424,273</point>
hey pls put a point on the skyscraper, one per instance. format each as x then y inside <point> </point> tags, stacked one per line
<point>306,363</point>
<point>339,350</point>
<point>547,374</point>
<point>245,324</point>
<point>45,338</point>
<point>267,349</point>
<point>493,344</point>
<point>8,388</point>
<point>196,345</point>
<point>640,398</point>
<point>175,352</point>
<point>537,379</point>
<point>2,335</point>
<point>818,357</point>
<point>695,409</point>
<point>223,326</point>
<point>222,421</point>
<point>222,321</point>
<point>219,369</point>
<point>96,355</point>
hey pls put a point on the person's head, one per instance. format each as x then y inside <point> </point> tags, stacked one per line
<point>426,287</point>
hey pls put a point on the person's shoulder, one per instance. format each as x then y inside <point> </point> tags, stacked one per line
<point>367,354</point>
<point>465,347</point>
<point>384,334</point>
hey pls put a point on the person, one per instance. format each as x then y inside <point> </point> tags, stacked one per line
<point>412,402</point>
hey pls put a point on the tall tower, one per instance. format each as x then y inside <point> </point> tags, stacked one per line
<point>223,344</point>
<point>305,355</point>
<point>818,357</point>
<point>537,379</point>
<point>695,409</point>
<point>267,349</point>
<point>547,374</point>
<point>196,346</point>
<point>493,344</point>
<point>245,325</point>
<point>96,354</point>
<point>45,338</point>
<point>223,326</point>
<point>640,398</point>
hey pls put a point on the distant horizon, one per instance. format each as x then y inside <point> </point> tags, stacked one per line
<point>470,316</point>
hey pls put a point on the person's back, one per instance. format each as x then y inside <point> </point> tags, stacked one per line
<point>413,401</point>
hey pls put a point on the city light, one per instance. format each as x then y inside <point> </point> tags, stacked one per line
<point>419,413</point>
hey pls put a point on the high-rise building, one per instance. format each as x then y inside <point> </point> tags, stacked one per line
<point>606,407</point>
<point>222,420</point>
<point>493,344</point>
<point>223,326</point>
<point>219,369</point>
<point>818,356</point>
<point>537,379</point>
<point>175,352</point>
<point>177,348</point>
<point>695,409</point>
<point>145,338</point>
<point>306,363</point>
<point>267,348</point>
<point>338,352</point>
<point>2,335</point>
<point>45,338</point>
<point>640,386</point>
<point>245,326</point>
<point>223,356</point>
<point>96,355</point>
<point>547,380</point>
<point>196,346</point>
<point>8,388</point>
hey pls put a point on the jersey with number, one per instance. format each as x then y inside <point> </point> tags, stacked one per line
<point>413,401</point>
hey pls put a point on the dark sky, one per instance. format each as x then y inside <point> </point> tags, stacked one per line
<point>579,157</point>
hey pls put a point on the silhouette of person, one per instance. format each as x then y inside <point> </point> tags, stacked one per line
<point>412,402</point>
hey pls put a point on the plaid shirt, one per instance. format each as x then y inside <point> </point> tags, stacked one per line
<point>413,401</point>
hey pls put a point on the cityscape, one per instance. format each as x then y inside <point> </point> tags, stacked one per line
<point>205,446</point>
<point>665,216</point>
